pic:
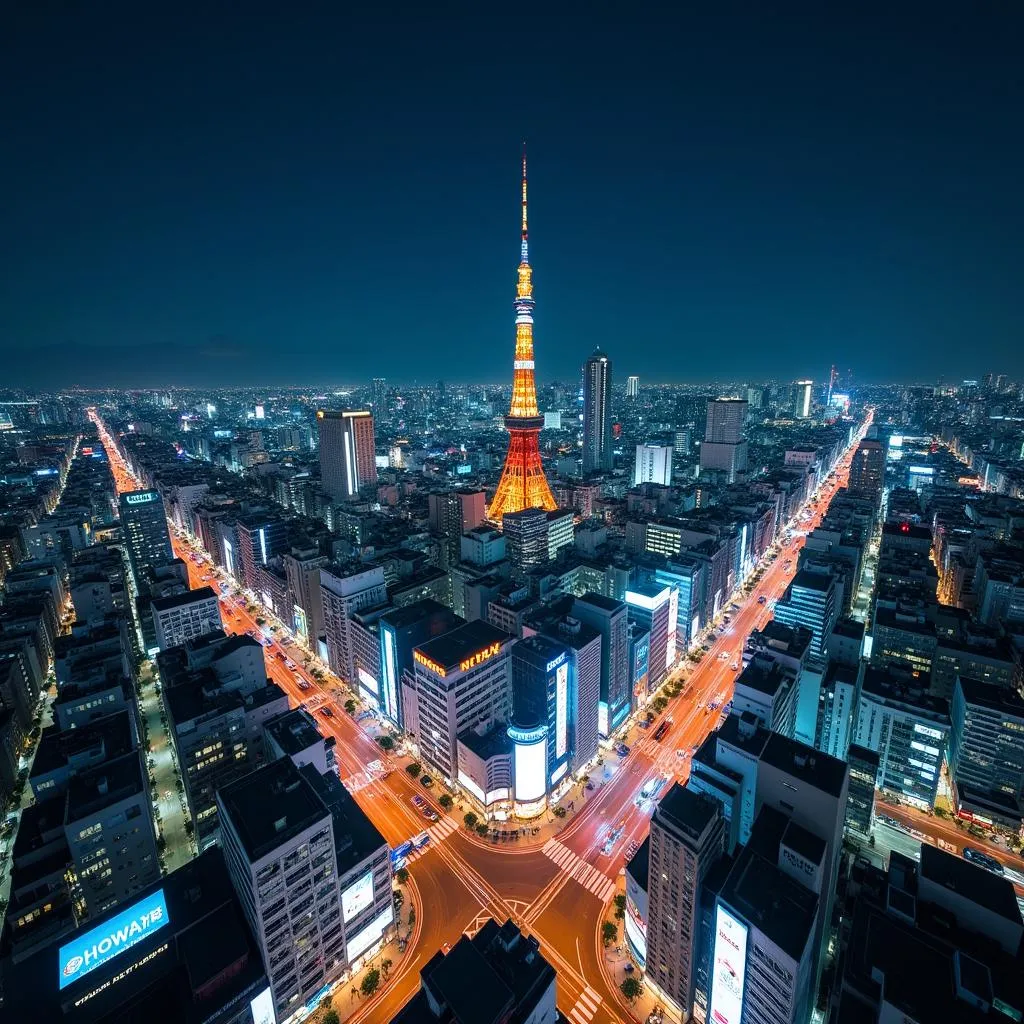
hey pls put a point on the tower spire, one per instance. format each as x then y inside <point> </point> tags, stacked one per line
<point>525,237</point>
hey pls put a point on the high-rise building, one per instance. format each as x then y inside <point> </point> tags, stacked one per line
<point>541,692</point>
<point>144,526</point>
<point>182,617</point>
<point>523,484</point>
<point>867,470</point>
<point>653,465</point>
<point>454,512</point>
<point>860,801</point>
<point>687,837</point>
<point>312,873</point>
<point>724,447</point>
<point>610,618</point>
<point>632,387</point>
<point>986,749</point>
<point>462,685</point>
<point>682,441</point>
<point>655,607</point>
<point>346,590</point>
<point>802,399</point>
<point>380,396</point>
<point>810,601</point>
<point>348,457</point>
<point>597,414</point>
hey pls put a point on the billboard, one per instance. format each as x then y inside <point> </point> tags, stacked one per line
<point>357,897</point>
<point>98,945</point>
<point>561,709</point>
<point>262,1008</point>
<point>729,968</point>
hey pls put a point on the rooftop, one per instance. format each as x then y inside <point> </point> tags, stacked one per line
<point>271,806</point>
<point>993,892</point>
<point>456,646</point>
<point>817,769</point>
<point>686,811</point>
<point>162,604</point>
<point>294,731</point>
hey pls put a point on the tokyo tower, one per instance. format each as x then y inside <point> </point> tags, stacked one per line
<point>523,484</point>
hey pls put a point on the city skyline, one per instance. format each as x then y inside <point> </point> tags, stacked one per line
<point>198,210</point>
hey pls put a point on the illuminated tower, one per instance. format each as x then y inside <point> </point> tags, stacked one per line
<point>523,484</point>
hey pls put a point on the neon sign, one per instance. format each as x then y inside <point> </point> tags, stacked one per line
<point>480,657</point>
<point>141,499</point>
<point>426,662</point>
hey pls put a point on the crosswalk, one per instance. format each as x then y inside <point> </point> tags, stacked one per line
<point>442,829</point>
<point>579,870</point>
<point>585,1007</point>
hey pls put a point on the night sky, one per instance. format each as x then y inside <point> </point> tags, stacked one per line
<point>317,194</point>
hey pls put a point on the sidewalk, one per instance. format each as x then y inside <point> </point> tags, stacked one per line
<point>169,813</point>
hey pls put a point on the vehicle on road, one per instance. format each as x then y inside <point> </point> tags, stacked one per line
<point>622,750</point>
<point>762,599</point>
<point>419,801</point>
<point>430,815</point>
<point>327,712</point>
<point>660,731</point>
<point>304,684</point>
<point>983,860</point>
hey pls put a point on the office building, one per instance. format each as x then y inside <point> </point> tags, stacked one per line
<point>867,470</point>
<point>144,529</point>
<point>908,729</point>
<point>526,538</point>
<point>499,975</point>
<point>610,618</point>
<point>597,414</point>
<point>462,685</point>
<point>380,396</point>
<point>986,750</point>
<point>346,590</point>
<point>401,631</point>
<point>312,873</point>
<point>637,870</point>
<point>654,607</point>
<point>632,386</point>
<point>767,689</point>
<point>687,837</point>
<point>860,801</point>
<point>181,950</point>
<point>541,693</point>
<point>454,513</point>
<point>761,949</point>
<point>802,399</point>
<point>523,483</point>
<point>682,441</point>
<point>653,465</point>
<point>260,538</point>
<point>183,617</point>
<point>810,601</point>
<point>725,448</point>
<point>482,546</point>
<point>347,452</point>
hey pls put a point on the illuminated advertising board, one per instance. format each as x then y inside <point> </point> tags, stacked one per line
<point>101,944</point>
<point>530,760</point>
<point>357,897</point>
<point>368,681</point>
<point>361,942</point>
<point>141,499</point>
<point>481,656</point>
<point>728,969</point>
<point>389,670</point>
<point>422,659</point>
<point>673,625</point>
<point>262,1008</point>
<point>561,709</point>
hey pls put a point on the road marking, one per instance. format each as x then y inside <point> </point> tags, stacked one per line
<point>585,1007</point>
<point>579,870</point>
<point>444,828</point>
<point>354,783</point>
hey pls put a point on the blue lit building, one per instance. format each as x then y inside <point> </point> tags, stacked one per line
<point>542,701</point>
<point>609,618</point>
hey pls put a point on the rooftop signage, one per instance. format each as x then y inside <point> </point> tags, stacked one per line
<point>480,657</point>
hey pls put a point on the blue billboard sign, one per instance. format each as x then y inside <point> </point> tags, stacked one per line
<point>98,945</point>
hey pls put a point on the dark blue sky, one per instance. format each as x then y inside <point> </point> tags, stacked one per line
<point>314,193</point>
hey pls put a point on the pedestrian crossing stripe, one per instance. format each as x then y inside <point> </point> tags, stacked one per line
<point>442,829</point>
<point>579,870</point>
<point>585,1007</point>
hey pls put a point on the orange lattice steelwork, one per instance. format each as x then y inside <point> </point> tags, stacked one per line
<point>523,484</point>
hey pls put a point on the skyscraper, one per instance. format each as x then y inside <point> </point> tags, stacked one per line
<point>867,471</point>
<point>653,465</point>
<point>380,396</point>
<point>523,484</point>
<point>347,453</point>
<point>597,413</point>
<point>725,447</point>
<point>802,399</point>
<point>144,525</point>
<point>633,386</point>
